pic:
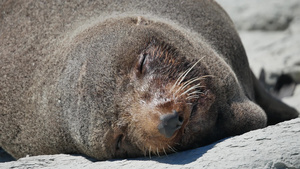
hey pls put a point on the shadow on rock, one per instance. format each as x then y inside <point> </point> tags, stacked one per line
<point>5,157</point>
<point>179,158</point>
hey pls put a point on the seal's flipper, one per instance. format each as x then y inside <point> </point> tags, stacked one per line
<point>276,110</point>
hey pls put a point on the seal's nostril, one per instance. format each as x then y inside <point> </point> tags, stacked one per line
<point>180,119</point>
<point>170,123</point>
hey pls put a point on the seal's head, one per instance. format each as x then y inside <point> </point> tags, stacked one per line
<point>155,89</point>
<point>169,97</point>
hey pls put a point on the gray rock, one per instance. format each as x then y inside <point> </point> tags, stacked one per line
<point>265,15</point>
<point>276,146</point>
<point>270,31</point>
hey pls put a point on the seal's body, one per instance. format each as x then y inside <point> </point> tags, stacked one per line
<point>113,79</point>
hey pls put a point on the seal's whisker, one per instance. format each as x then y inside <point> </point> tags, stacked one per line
<point>165,151</point>
<point>145,152</point>
<point>199,86</point>
<point>195,92</point>
<point>171,148</point>
<point>193,80</point>
<point>172,88</point>
<point>189,70</point>
<point>188,81</point>
<point>185,84</point>
<point>191,88</point>
<point>183,75</point>
<point>205,76</point>
<point>157,152</point>
<point>192,97</point>
<point>179,78</point>
<point>150,152</point>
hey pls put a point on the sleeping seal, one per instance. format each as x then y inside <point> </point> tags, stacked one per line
<point>117,79</point>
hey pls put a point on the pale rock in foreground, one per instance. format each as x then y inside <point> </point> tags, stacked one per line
<point>272,147</point>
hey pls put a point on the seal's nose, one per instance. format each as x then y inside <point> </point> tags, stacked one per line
<point>169,124</point>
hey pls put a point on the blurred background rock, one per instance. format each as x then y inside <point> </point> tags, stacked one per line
<point>270,32</point>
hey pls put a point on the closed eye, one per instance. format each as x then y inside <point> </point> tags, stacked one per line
<point>119,141</point>
<point>142,62</point>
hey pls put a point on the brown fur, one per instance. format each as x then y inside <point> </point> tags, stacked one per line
<point>72,82</point>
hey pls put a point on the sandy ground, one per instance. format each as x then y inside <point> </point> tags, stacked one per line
<point>270,31</point>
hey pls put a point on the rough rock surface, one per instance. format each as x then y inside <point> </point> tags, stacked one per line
<point>270,31</point>
<point>272,147</point>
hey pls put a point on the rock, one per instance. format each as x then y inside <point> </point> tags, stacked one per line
<point>294,101</point>
<point>272,147</point>
<point>270,31</point>
<point>275,15</point>
<point>268,45</point>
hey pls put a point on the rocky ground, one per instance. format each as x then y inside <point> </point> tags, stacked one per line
<point>270,31</point>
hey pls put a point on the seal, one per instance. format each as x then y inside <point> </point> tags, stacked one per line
<point>119,79</point>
